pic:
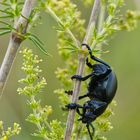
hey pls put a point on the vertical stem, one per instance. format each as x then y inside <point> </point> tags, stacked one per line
<point>101,17</point>
<point>100,25</point>
<point>92,21</point>
<point>80,69</point>
<point>35,112</point>
<point>14,43</point>
<point>8,61</point>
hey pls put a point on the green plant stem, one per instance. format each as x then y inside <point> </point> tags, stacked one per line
<point>79,132</point>
<point>14,43</point>
<point>101,32</point>
<point>92,22</point>
<point>80,69</point>
<point>58,20</point>
<point>101,17</point>
<point>100,24</point>
<point>38,124</point>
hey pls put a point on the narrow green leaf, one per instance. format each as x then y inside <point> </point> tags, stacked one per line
<point>6,17</point>
<point>37,44</point>
<point>71,44</point>
<point>61,27</point>
<point>58,29</point>
<point>20,3</point>
<point>3,22</point>
<point>70,49</point>
<point>5,32</point>
<point>8,25</point>
<point>4,28</point>
<point>37,40</point>
<point>7,9</point>
<point>95,33</point>
<point>6,12</point>
<point>4,3</point>
<point>34,36</point>
<point>67,48</point>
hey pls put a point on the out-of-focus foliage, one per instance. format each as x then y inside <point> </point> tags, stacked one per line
<point>71,30</point>
<point>10,13</point>
<point>10,132</point>
<point>130,20</point>
<point>33,85</point>
<point>70,25</point>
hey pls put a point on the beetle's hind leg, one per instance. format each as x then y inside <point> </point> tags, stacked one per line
<point>93,130</point>
<point>83,96</point>
<point>70,92</point>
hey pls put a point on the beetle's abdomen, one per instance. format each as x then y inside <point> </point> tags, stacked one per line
<point>105,90</point>
<point>111,87</point>
<point>102,86</point>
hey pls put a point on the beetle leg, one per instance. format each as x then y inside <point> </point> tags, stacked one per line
<point>93,130</point>
<point>89,131</point>
<point>83,96</point>
<point>80,78</point>
<point>69,92</point>
<point>73,106</point>
<point>88,63</point>
<point>78,111</point>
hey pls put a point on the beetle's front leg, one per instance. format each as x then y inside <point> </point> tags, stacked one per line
<point>88,63</point>
<point>80,78</point>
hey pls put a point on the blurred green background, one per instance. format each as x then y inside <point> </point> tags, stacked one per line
<point>123,57</point>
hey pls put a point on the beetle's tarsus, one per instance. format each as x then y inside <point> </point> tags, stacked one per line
<point>71,106</point>
<point>69,92</point>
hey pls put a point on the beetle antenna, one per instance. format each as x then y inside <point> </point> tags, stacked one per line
<point>93,57</point>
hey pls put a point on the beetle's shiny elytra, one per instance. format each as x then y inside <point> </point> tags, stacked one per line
<point>101,90</point>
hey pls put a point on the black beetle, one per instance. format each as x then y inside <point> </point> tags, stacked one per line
<point>101,90</point>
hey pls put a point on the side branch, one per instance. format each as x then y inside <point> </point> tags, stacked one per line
<point>58,20</point>
<point>15,41</point>
<point>80,69</point>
